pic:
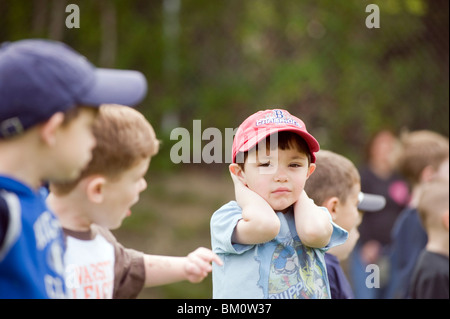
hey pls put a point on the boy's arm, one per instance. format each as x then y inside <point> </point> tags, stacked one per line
<point>161,270</point>
<point>259,223</point>
<point>312,223</point>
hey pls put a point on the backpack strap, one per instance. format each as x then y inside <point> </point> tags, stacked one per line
<point>13,225</point>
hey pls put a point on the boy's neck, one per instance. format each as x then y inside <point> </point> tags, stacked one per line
<point>24,170</point>
<point>67,209</point>
<point>415,195</point>
<point>438,243</point>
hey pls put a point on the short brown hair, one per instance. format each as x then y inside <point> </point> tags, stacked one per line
<point>335,175</point>
<point>123,137</point>
<point>285,140</point>
<point>420,149</point>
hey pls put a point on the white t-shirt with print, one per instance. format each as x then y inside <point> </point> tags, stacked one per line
<point>99,267</point>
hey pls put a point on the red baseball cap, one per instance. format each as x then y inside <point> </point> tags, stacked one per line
<point>264,123</point>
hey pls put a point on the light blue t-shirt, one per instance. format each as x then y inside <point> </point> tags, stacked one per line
<point>282,268</point>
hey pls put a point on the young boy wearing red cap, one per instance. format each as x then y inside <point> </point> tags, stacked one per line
<point>273,238</point>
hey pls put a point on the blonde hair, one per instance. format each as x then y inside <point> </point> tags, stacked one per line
<point>433,202</point>
<point>335,175</point>
<point>123,138</point>
<point>419,150</point>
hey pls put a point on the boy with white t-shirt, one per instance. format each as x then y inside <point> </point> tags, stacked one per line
<point>97,266</point>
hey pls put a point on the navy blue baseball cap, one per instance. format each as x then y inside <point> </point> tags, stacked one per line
<point>39,78</point>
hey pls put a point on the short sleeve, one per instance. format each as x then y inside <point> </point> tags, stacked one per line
<point>339,235</point>
<point>129,269</point>
<point>223,223</point>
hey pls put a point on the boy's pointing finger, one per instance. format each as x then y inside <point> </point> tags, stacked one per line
<point>208,255</point>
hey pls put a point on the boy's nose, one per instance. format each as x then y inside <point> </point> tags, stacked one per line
<point>281,178</point>
<point>280,175</point>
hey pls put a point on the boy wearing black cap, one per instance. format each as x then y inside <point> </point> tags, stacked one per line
<point>273,238</point>
<point>336,185</point>
<point>48,99</point>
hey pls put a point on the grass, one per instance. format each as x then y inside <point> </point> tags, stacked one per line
<point>172,218</point>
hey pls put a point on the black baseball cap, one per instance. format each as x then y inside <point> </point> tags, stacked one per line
<point>40,77</point>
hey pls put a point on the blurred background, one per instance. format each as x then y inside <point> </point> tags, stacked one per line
<point>219,61</point>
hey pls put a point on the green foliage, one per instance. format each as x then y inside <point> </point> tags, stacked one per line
<point>219,61</point>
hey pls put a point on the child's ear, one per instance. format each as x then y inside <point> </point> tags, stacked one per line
<point>332,205</point>
<point>427,173</point>
<point>49,128</point>
<point>95,189</point>
<point>311,169</point>
<point>237,171</point>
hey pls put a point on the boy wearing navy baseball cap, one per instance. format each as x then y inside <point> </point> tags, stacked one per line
<point>336,185</point>
<point>273,238</point>
<point>49,96</point>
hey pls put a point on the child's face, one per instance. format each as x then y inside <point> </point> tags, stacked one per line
<point>278,177</point>
<point>443,170</point>
<point>76,141</point>
<point>342,251</point>
<point>121,194</point>
<point>347,214</point>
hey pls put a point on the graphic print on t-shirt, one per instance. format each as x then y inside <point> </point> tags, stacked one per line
<point>89,268</point>
<point>294,273</point>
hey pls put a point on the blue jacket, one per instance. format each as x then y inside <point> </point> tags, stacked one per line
<point>31,244</point>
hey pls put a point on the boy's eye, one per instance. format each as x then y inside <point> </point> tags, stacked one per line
<point>265,164</point>
<point>295,165</point>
